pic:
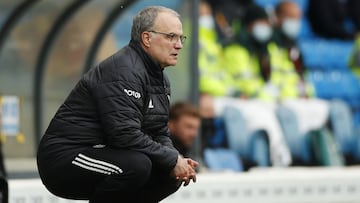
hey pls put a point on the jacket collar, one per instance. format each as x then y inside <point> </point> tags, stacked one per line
<point>151,65</point>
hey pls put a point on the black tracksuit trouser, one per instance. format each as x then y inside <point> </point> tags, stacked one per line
<point>106,175</point>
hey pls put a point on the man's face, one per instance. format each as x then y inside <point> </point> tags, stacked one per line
<point>163,48</point>
<point>290,11</point>
<point>185,129</point>
<point>289,20</point>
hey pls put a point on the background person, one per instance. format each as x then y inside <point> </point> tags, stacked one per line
<point>286,30</point>
<point>261,76</point>
<point>184,124</point>
<point>214,80</point>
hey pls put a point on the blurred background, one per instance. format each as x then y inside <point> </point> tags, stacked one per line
<point>275,85</point>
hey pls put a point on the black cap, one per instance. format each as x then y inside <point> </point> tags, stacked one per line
<point>253,13</point>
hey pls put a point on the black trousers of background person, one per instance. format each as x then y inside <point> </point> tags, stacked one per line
<point>131,177</point>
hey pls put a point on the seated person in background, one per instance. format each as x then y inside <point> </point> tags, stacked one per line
<point>259,68</point>
<point>184,124</point>
<point>247,59</point>
<point>335,18</point>
<point>287,27</point>
<point>214,81</point>
<point>257,72</point>
<point>263,70</point>
<point>213,76</point>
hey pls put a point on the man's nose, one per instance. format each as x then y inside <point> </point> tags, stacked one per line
<point>178,44</point>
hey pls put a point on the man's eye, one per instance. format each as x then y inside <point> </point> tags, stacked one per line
<point>172,36</point>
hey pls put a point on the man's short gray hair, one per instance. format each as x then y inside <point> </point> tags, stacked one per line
<point>145,20</point>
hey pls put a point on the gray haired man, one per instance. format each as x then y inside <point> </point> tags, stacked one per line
<point>109,140</point>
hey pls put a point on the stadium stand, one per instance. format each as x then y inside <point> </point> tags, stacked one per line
<point>328,70</point>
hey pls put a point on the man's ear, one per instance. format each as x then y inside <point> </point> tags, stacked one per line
<point>146,39</point>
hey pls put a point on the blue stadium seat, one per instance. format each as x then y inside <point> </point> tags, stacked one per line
<point>267,3</point>
<point>306,31</point>
<point>299,144</point>
<point>336,85</point>
<point>351,87</point>
<point>356,114</point>
<point>325,54</point>
<point>341,85</point>
<point>237,132</point>
<point>222,159</point>
<point>252,146</point>
<point>260,153</point>
<point>342,126</point>
<point>321,84</point>
<point>272,3</point>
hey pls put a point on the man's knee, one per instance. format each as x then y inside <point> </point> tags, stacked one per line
<point>140,169</point>
<point>134,175</point>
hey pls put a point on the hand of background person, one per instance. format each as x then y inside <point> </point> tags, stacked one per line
<point>184,170</point>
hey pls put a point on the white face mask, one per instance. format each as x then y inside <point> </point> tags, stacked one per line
<point>291,27</point>
<point>262,32</point>
<point>207,22</point>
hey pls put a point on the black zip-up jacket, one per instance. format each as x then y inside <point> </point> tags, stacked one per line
<point>122,103</point>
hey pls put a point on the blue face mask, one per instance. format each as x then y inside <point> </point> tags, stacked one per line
<point>291,27</point>
<point>262,32</point>
<point>207,22</point>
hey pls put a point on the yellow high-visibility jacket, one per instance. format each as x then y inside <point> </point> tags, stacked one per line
<point>214,79</point>
<point>244,69</point>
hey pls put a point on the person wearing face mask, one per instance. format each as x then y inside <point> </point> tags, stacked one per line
<point>287,27</point>
<point>213,78</point>
<point>252,62</point>
<point>248,59</point>
<point>214,81</point>
<point>288,23</point>
<point>260,68</point>
<point>263,73</point>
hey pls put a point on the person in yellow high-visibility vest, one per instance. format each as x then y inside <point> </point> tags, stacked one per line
<point>214,80</point>
<point>262,71</point>
<point>287,27</point>
<point>259,68</point>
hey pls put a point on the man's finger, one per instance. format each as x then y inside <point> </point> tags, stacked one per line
<point>192,163</point>
<point>194,179</point>
<point>195,163</point>
<point>187,181</point>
